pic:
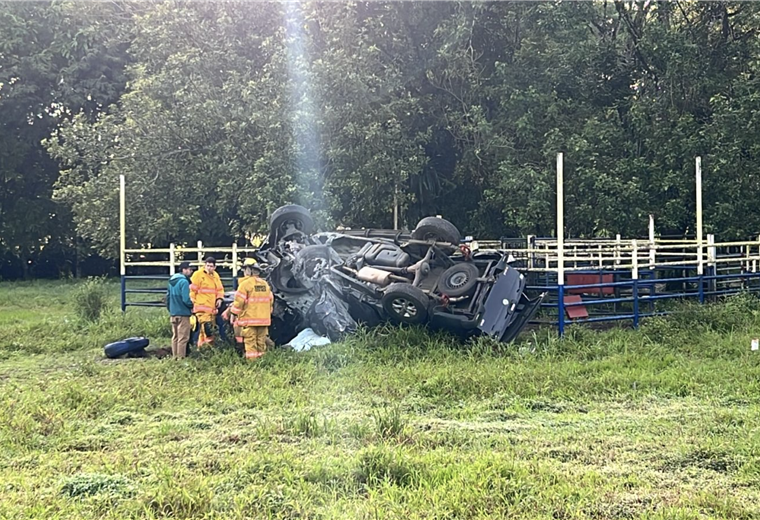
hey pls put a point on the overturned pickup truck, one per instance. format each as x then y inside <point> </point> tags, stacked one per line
<point>331,281</point>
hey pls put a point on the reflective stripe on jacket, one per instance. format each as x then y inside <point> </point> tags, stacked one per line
<point>205,289</point>
<point>253,304</point>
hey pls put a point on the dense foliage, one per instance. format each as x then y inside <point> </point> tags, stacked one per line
<point>217,113</point>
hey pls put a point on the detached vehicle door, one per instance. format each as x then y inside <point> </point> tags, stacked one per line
<point>507,310</point>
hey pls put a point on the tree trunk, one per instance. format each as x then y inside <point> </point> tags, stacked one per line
<point>77,263</point>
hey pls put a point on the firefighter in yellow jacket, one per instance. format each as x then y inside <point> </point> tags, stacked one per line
<point>252,310</point>
<point>207,294</point>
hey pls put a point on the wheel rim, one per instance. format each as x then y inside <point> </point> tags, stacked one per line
<point>293,223</point>
<point>458,280</point>
<point>404,308</point>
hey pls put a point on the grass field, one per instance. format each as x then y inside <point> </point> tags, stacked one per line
<point>398,424</point>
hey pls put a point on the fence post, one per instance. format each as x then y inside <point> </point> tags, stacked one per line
<point>200,253</point>
<point>615,267</point>
<point>171,259</point>
<point>700,271</point>
<point>635,276</point>
<point>754,261</point>
<point>700,264</point>
<point>712,265</point>
<point>749,267</point>
<point>652,246</point>
<point>123,293</point>
<point>561,309</point>
<point>234,265</point>
<point>601,261</point>
<point>234,260</point>
<point>560,245</point>
<point>123,241</point>
<point>701,289</point>
<point>529,242</point>
<point>711,251</point>
<point>747,255</point>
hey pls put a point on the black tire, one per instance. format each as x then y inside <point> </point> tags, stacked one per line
<point>290,215</point>
<point>459,280</point>
<point>125,346</point>
<point>404,303</point>
<point>438,229</point>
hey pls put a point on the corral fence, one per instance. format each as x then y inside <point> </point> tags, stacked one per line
<point>608,280</point>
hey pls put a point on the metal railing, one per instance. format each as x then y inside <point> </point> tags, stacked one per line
<point>640,274</point>
<point>162,263</point>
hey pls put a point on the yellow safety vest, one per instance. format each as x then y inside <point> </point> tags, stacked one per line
<point>254,302</point>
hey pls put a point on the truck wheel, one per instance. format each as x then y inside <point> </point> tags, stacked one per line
<point>285,218</point>
<point>438,229</point>
<point>459,280</point>
<point>405,303</point>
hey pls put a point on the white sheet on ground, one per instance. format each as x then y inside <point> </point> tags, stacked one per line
<point>306,339</point>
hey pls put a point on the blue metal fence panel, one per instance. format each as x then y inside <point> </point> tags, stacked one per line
<point>627,305</point>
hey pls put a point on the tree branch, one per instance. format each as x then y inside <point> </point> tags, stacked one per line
<point>623,13</point>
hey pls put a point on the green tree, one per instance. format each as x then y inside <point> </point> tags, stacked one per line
<point>56,59</point>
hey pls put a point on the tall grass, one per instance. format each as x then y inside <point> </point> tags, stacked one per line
<point>393,423</point>
<point>91,299</point>
<point>66,317</point>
